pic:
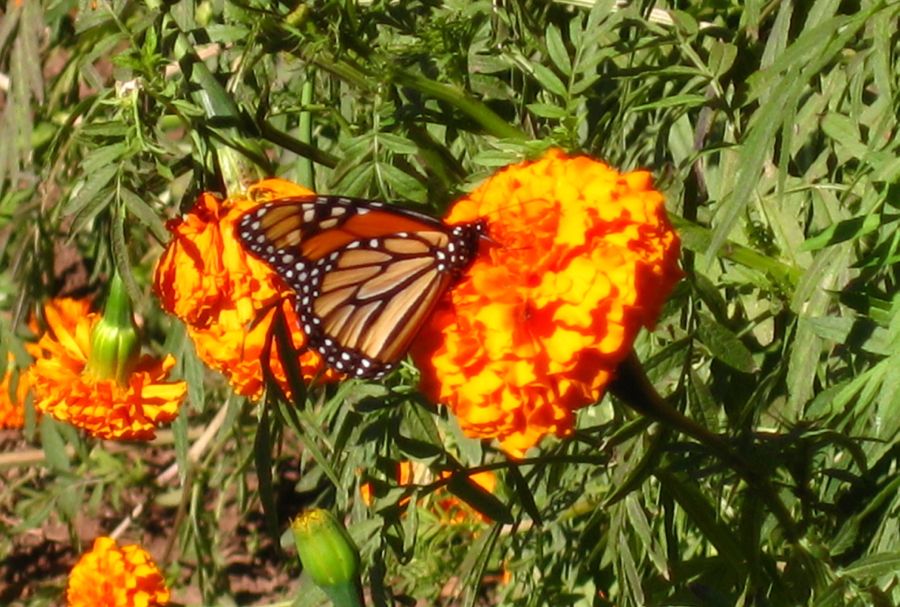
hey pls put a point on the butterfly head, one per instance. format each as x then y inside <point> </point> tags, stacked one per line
<point>465,239</point>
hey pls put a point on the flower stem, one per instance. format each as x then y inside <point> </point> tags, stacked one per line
<point>634,388</point>
<point>482,114</point>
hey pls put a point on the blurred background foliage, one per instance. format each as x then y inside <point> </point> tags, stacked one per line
<point>770,125</point>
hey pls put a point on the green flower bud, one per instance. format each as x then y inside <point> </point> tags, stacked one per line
<point>329,556</point>
<point>115,347</point>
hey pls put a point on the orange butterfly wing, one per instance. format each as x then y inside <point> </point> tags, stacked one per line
<point>366,276</point>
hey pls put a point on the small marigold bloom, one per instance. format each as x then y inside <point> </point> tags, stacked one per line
<point>103,407</point>
<point>205,278</point>
<point>12,397</point>
<point>446,505</point>
<point>111,576</point>
<point>584,257</point>
<point>403,475</point>
<point>454,510</point>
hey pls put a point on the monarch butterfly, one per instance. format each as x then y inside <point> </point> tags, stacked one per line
<point>366,275</point>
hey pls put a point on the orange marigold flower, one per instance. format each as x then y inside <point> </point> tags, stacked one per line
<point>104,408</point>
<point>108,575</point>
<point>584,257</point>
<point>454,510</point>
<point>12,397</point>
<point>403,475</point>
<point>206,279</point>
<point>447,506</point>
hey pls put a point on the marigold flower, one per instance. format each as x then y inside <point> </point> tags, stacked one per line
<point>453,509</point>
<point>584,257</point>
<point>104,408</point>
<point>114,576</point>
<point>12,397</point>
<point>227,298</point>
<point>446,505</point>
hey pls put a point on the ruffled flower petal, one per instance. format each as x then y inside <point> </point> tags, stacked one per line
<point>583,258</point>
<point>105,409</point>
<point>228,298</point>
<point>13,391</point>
<point>114,576</point>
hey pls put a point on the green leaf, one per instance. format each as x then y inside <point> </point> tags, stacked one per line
<point>873,566</point>
<point>845,133</point>
<point>848,229</point>
<point>91,190</point>
<point>686,101</point>
<point>70,501</point>
<point>721,57</point>
<point>398,144</point>
<point>698,509</point>
<point>483,502</point>
<point>724,345</point>
<point>263,444</point>
<point>147,216</point>
<point>546,110</point>
<point>105,157</point>
<point>524,494</point>
<point>53,445</point>
<point>550,81</point>
<point>406,186</point>
<point>556,48</point>
<point>357,181</point>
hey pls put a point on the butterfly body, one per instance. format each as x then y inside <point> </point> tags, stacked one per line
<point>366,276</point>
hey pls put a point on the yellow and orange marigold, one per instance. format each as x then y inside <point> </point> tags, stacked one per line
<point>13,391</point>
<point>108,575</point>
<point>583,258</point>
<point>227,298</point>
<point>63,386</point>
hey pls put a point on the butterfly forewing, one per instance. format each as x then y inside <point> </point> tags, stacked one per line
<point>366,276</point>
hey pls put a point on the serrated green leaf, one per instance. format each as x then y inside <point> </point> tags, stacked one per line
<point>495,158</point>
<point>626,561</point>
<point>641,525</point>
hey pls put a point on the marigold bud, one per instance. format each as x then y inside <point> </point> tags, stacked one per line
<point>115,347</point>
<point>329,556</point>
